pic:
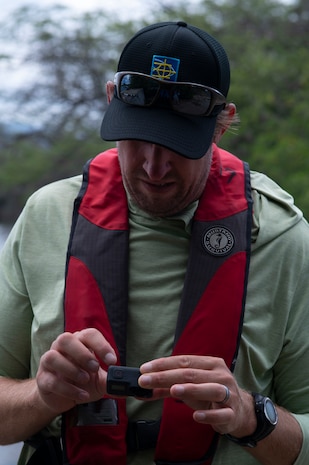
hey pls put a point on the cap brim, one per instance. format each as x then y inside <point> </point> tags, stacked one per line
<point>190,136</point>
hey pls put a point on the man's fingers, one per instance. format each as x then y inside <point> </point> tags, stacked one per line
<point>182,361</point>
<point>83,348</point>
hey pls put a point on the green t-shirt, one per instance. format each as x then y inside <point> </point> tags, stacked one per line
<point>274,351</point>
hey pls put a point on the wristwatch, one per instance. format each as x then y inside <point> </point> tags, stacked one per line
<point>267,418</point>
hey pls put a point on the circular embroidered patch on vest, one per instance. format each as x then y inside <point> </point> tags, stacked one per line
<point>218,241</point>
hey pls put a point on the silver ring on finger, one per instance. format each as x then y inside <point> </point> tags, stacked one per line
<point>227,395</point>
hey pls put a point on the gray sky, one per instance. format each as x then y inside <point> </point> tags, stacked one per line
<point>123,8</point>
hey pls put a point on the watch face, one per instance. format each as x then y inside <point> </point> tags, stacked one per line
<point>271,412</point>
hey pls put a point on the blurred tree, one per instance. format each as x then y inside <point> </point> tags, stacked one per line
<point>65,61</point>
<point>268,47</point>
<point>70,58</point>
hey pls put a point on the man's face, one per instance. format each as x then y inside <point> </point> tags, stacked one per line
<point>161,182</point>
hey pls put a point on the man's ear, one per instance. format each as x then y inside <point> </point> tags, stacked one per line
<point>225,119</point>
<point>231,110</point>
<point>110,86</point>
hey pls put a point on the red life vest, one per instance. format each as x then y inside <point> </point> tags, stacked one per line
<point>210,314</point>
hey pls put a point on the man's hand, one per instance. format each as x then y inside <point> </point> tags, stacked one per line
<point>201,383</point>
<point>70,373</point>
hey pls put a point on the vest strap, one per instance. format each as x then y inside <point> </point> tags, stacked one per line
<point>142,435</point>
<point>48,451</point>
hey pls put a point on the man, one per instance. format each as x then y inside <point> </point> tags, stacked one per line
<point>165,266</point>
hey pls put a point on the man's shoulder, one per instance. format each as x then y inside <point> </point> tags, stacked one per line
<point>63,191</point>
<point>274,212</point>
<point>52,203</point>
<point>266,190</point>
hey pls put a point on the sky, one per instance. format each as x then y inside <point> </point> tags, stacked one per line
<point>122,8</point>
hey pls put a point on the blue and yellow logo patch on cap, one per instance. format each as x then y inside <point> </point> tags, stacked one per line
<point>165,67</point>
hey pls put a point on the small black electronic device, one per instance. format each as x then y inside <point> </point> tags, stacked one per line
<point>123,381</point>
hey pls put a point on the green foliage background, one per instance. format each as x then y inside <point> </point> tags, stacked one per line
<point>268,45</point>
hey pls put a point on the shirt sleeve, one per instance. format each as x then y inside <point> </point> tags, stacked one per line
<point>279,305</point>
<point>32,273</point>
<point>15,310</point>
<point>291,371</point>
<point>303,420</point>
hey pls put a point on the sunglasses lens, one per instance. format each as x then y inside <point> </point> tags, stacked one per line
<point>144,91</point>
<point>190,99</point>
<point>138,90</point>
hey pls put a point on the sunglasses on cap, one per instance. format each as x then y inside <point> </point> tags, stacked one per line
<point>183,97</point>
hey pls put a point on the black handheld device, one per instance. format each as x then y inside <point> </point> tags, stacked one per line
<point>123,381</point>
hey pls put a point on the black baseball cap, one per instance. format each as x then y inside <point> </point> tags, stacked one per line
<point>196,57</point>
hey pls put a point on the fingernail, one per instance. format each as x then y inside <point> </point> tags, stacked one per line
<point>145,380</point>
<point>110,358</point>
<point>93,365</point>
<point>178,390</point>
<point>199,416</point>
<point>146,367</point>
<point>83,396</point>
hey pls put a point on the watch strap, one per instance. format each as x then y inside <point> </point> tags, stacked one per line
<point>265,424</point>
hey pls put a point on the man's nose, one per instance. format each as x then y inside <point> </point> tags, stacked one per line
<point>156,161</point>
